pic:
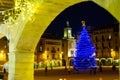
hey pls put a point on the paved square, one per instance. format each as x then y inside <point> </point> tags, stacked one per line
<point>62,74</point>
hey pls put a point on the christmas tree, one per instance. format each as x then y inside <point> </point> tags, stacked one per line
<point>85,51</point>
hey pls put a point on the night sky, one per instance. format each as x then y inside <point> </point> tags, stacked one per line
<point>94,15</point>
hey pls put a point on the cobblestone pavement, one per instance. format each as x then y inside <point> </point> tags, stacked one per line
<point>62,74</point>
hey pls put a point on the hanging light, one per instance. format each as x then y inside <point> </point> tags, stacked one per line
<point>23,7</point>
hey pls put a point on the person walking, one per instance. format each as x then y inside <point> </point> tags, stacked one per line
<point>5,67</point>
<point>113,66</point>
<point>46,70</point>
<point>100,67</point>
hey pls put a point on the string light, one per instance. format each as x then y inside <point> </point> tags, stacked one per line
<point>24,7</point>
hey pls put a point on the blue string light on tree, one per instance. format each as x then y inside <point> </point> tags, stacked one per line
<point>85,51</point>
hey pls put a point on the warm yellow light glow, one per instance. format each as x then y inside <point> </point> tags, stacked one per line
<point>16,23</point>
<point>112,53</point>
<point>97,59</point>
<point>2,51</point>
<point>69,55</point>
<point>60,55</point>
<point>2,56</point>
<point>23,18</point>
<point>45,51</point>
<point>94,54</point>
<point>45,55</point>
<point>25,7</point>
<point>64,79</point>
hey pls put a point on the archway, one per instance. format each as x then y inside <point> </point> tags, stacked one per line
<point>23,44</point>
<point>4,50</point>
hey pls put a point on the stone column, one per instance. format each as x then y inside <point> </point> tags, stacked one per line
<point>21,65</point>
<point>119,50</point>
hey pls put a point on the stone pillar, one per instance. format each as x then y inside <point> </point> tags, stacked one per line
<point>21,65</point>
<point>119,51</point>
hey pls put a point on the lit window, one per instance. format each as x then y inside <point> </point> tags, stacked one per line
<point>41,48</point>
<point>109,37</point>
<point>69,31</point>
<point>47,49</point>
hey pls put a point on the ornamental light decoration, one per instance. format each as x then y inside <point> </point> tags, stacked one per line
<point>24,7</point>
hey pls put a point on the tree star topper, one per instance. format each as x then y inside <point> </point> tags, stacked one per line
<point>83,23</point>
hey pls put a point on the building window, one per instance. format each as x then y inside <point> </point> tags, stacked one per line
<point>117,48</point>
<point>53,56</point>
<point>52,43</point>
<point>102,53</point>
<point>62,45</point>
<point>96,46</point>
<point>109,45</point>
<point>72,53</point>
<point>47,56</point>
<point>103,46</point>
<point>103,38</point>
<point>58,49</point>
<point>116,42</point>
<point>116,34</point>
<point>96,39</point>
<point>53,50</point>
<point>47,49</point>
<point>69,31</point>
<point>109,37</point>
<point>41,49</point>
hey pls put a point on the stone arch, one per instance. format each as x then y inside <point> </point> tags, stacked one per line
<point>1,35</point>
<point>47,18</point>
<point>110,6</point>
<point>24,40</point>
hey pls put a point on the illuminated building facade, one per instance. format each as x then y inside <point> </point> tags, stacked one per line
<point>49,52</point>
<point>105,40</point>
<point>50,49</point>
<point>68,44</point>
